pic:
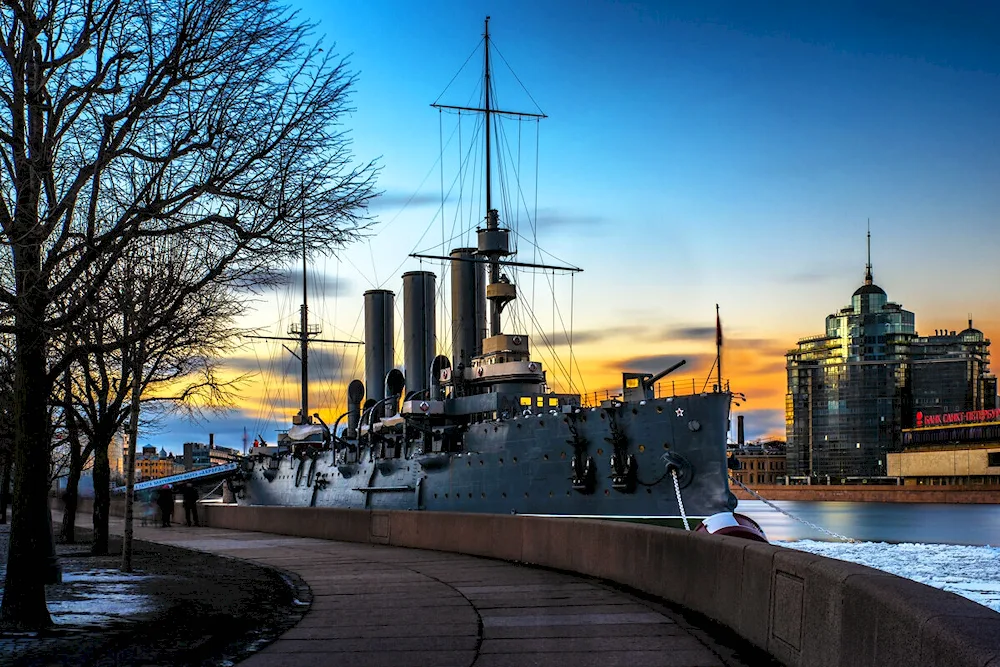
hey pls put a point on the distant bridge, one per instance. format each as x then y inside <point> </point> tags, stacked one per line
<point>201,475</point>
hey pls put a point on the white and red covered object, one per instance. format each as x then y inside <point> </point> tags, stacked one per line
<point>734,525</point>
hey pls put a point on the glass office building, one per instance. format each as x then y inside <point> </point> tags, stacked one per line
<point>852,390</point>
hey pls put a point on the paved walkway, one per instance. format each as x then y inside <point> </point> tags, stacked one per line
<point>388,606</point>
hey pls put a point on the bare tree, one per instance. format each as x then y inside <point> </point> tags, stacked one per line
<point>133,119</point>
<point>168,362</point>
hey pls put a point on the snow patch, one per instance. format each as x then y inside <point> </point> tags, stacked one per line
<point>970,571</point>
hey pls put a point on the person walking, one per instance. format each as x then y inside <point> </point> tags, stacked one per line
<point>190,495</point>
<point>165,501</point>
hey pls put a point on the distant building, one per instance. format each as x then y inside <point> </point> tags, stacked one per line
<point>950,373</point>
<point>198,455</point>
<point>759,463</point>
<point>153,464</point>
<point>852,390</point>
<point>960,448</point>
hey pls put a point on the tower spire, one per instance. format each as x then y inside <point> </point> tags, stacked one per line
<point>868,266</point>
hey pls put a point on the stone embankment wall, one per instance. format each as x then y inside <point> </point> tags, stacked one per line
<point>870,493</point>
<point>804,609</point>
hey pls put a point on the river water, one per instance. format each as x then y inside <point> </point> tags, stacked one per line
<point>952,547</point>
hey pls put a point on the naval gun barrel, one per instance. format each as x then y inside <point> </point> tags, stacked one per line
<point>662,374</point>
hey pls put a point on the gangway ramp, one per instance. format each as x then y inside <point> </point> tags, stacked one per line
<point>201,475</point>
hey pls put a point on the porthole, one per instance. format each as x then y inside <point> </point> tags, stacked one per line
<point>525,494</point>
<point>503,495</point>
<point>562,455</point>
<point>642,448</point>
<point>435,495</point>
<point>541,422</point>
<point>545,457</point>
<point>514,459</point>
<point>550,494</point>
<point>666,445</point>
<point>659,409</point>
<point>501,461</point>
<point>483,495</point>
<point>635,411</point>
<point>481,462</point>
<point>446,495</point>
<point>600,452</point>
<point>606,492</point>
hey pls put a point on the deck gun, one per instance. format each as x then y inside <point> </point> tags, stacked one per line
<point>639,386</point>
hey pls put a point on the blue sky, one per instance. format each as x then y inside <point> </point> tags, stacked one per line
<point>695,153</point>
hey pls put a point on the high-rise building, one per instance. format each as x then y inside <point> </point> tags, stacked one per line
<point>852,390</point>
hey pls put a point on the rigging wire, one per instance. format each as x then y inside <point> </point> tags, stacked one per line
<point>517,78</point>
<point>474,50</point>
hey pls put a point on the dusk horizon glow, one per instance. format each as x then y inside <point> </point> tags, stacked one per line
<point>693,155</point>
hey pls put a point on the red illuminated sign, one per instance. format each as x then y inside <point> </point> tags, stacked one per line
<point>967,417</point>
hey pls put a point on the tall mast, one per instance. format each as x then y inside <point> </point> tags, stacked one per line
<point>495,249</point>
<point>493,240</point>
<point>304,331</point>
<point>486,110</point>
<point>301,332</point>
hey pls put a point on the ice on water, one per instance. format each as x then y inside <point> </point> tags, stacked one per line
<point>969,571</point>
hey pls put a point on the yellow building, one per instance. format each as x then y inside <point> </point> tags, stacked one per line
<point>150,464</point>
<point>958,448</point>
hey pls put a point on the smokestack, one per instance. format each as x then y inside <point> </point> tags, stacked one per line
<point>739,430</point>
<point>211,440</point>
<point>418,328</point>
<point>468,306</point>
<point>379,353</point>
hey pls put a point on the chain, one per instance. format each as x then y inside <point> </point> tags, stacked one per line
<point>680,503</point>
<point>778,509</point>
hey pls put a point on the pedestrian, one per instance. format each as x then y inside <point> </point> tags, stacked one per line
<point>190,496</point>
<point>165,501</point>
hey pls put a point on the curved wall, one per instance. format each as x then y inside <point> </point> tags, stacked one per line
<point>803,609</point>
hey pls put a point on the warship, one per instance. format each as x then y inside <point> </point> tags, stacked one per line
<point>480,430</point>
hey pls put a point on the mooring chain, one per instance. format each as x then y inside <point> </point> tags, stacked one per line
<point>791,516</point>
<point>680,503</point>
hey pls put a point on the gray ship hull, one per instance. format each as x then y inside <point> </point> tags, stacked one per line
<point>523,465</point>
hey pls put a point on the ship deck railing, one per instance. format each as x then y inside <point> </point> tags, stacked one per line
<point>662,389</point>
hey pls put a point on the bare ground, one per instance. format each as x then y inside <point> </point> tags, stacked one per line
<point>179,607</point>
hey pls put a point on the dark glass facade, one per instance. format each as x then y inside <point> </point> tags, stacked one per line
<point>853,390</point>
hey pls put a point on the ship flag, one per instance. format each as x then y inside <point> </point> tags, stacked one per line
<point>718,327</point>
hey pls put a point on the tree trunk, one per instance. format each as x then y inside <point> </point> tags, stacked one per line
<point>75,466</point>
<point>102,494</point>
<point>72,493</point>
<point>5,458</point>
<point>31,556</point>
<point>133,438</point>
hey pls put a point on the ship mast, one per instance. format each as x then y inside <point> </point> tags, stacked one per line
<point>304,331</point>
<point>486,111</point>
<point>493,240</point>
<point>301,333</point>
